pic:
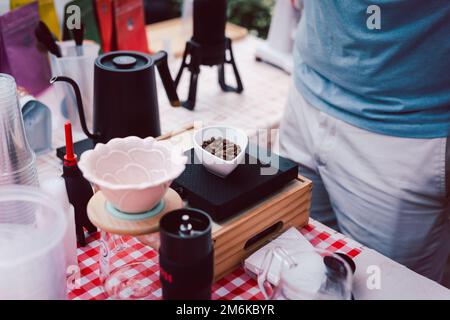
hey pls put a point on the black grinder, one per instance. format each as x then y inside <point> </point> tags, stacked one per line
<point>186,255</point>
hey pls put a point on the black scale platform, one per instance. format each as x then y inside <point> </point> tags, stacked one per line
<point>222,198</point>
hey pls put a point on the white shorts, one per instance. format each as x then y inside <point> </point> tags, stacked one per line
<point>386,192</point>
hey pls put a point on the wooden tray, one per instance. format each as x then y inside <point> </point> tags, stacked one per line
<point>236,239</point>
<point>171,31</point>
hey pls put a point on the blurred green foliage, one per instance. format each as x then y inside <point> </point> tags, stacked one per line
<point>255,15</point>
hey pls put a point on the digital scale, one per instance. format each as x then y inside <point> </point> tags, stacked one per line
<point>222,198</point>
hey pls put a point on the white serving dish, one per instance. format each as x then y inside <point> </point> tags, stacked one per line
<point>213,164</point>
<point>133,173</point>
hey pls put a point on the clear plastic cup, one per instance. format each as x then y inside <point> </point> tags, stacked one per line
<point>17,159</point>
<point>32,261</point>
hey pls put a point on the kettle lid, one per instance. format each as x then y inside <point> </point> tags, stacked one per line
<point>124,61</point>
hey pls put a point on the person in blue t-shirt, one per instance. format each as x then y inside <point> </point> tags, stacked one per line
<point>368,120</point>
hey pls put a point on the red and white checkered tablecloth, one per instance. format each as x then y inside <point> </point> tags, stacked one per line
<point>235,286</point>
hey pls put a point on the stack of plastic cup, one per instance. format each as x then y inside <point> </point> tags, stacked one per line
<point>32,260</point>
<point>17,159</point>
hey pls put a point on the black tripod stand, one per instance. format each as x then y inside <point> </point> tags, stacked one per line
<point>209,55</point>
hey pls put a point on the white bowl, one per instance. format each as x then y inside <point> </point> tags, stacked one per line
<point>133,173</point>
<point>213,164</point>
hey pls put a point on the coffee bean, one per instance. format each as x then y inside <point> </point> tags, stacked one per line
<point>222,148</point>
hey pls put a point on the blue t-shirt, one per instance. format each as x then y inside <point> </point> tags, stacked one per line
<point>394,80</point>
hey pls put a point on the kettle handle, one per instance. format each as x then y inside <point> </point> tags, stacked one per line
<point>160,59</point>
<point>79,103</point>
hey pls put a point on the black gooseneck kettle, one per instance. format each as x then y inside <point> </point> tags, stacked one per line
<point>125,96</point>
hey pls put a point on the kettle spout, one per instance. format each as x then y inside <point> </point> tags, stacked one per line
<point>79,103</point>
<point>160,59</point>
